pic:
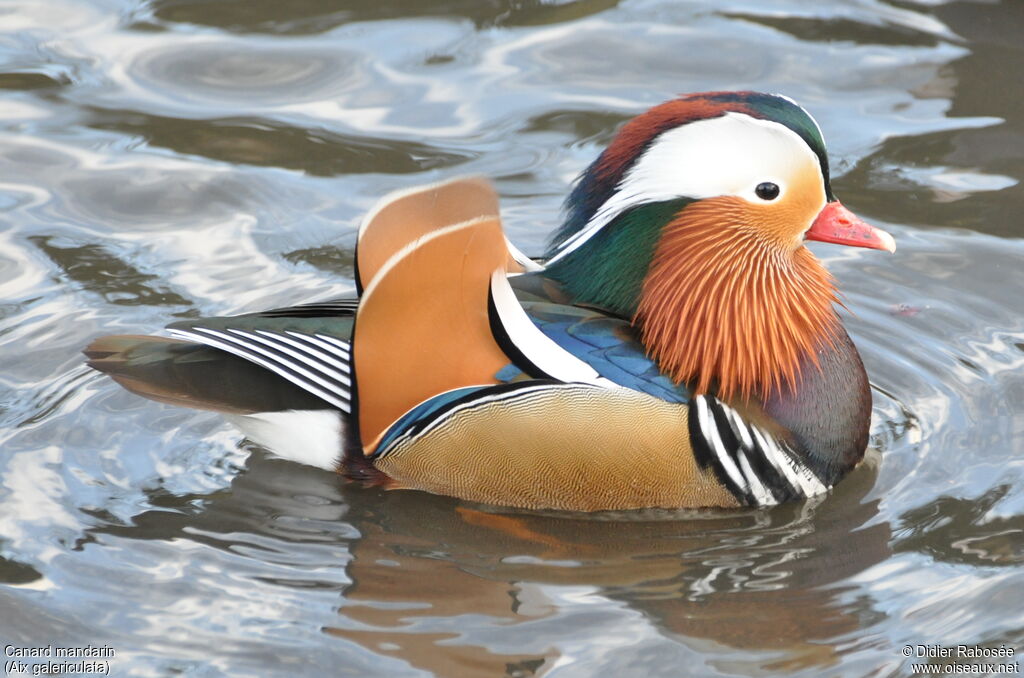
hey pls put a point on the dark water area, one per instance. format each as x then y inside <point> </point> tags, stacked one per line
<point>175,158</point>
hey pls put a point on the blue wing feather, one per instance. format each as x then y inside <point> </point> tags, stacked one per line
<point>425,410</point>
<point>607,344</point>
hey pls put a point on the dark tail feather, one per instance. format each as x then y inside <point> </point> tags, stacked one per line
<point>191,375</point>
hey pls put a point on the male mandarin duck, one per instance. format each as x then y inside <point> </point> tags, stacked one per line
<point>677,347</point>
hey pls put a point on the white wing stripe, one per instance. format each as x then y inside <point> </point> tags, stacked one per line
<point>337,397</point>
<point>316,339</point>
<point>521,259</point>
<point>299,341</point>
<point>539,349</point>
<point>303,359</point>
<point>344,345</point>
<point>273,357</point>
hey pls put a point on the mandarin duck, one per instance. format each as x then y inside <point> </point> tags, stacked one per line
<point>678,346</point>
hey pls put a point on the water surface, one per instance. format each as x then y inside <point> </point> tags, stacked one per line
<point>175,158</point>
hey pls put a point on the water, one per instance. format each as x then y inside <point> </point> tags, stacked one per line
<point>173,158</point>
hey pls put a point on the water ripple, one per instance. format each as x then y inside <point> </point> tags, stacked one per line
<point>180,157</point>
<point>211,72</point>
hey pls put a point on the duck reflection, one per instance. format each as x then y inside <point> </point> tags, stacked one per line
<point>767,580</point>
<point>442,585</point>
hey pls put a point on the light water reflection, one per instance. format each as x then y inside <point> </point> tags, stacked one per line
<point>161,159</point>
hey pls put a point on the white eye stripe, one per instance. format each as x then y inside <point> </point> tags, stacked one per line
<point>728,155</point>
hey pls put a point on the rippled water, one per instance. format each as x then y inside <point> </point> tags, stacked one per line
<point>181,157</point>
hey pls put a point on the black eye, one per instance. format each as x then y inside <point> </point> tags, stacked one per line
<point>767,191</point>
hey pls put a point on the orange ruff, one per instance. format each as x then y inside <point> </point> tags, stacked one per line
<point>729,301</point>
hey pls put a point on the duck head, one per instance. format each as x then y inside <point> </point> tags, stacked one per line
<point>692,224</point>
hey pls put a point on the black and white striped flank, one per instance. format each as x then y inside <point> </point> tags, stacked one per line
<point>755,466</point>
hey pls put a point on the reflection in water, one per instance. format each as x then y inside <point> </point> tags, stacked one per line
<point>261,142</point>
<point>101,272</point>
<point>330,259</point>
<point>915,167</point>
<point>13,572</point>
<point>416,563</point>
<point>176,157</point>
<point>750,581</point>
<point>962,531</point>
<point>586,127</point>
<point>272,74</point>
<point>313,16</point>
<point>29,81</point>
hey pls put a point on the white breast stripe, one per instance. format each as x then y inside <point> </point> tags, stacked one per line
<point>797,474</point>
<point>761,494</point>
<point>335,394</point>
<point>738,427</point>
<point>710,430</point>
<point>548,356</point>
<point>776,458</point>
